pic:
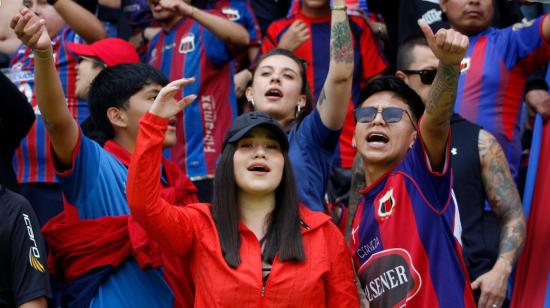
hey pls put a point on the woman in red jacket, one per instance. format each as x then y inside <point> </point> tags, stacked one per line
<point>255,245</point>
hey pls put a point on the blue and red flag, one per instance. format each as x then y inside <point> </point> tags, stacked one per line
<point>532,279</point>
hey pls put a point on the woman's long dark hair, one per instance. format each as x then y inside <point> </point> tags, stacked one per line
<point>305,90</point>
<point>283,235</point>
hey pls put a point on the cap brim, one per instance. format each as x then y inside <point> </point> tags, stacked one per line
<point>81,49</point>
<point>281,137</point>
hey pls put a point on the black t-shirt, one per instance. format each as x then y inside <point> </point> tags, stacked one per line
<point>23,259</point>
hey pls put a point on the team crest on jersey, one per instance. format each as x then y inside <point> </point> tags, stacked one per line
<point>187,44</point>
<point>389,278</point>
<point>524,24</point>
<point>465,65</point>
<point>386,204</point>
<point>231,13</point>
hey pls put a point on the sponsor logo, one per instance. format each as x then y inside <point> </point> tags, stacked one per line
<point>187,44</point>
<point>431,16</point>
<point>525,24</point>
<point>34,253</point>
<point>231,13</point>
<point>386,204</point>
<point>465,65</point>
<point>209,118</point>
<point>389,278</point>
<point>368,248</point>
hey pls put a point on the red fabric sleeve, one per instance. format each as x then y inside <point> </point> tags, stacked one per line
<point>171,226</point>
<point>340,281</point>
<point>270,40</point>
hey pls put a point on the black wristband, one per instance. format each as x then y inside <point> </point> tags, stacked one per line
<point>535,84</point>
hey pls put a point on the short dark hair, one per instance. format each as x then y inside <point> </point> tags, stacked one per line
<point>405,54</point>
<point>305,90</point>
<point>114,86</point>
<point>399,87</point>
<point>283,236</point>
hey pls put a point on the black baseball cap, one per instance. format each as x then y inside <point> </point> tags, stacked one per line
<point>247,121</point>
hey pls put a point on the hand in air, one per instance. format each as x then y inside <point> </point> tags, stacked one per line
<point>166,105</point>
<point>448,45</point>
<point>31,30</point>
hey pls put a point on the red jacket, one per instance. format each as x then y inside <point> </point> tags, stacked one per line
<point>324,279</point>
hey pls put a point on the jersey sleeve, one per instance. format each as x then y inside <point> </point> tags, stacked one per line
<point>249,22</point>
<point>29,272</point>
<point>524,43</point>
<point>434,186</point>
<point>79,179</point>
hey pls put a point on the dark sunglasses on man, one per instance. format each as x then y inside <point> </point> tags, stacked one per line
<point>389,114</point>
<point>426,76</point>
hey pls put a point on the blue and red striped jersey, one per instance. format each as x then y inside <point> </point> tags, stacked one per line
<point>33,160</point>
<point>190,50</point>
<point>405,239</point>
<point>493,75</point>
<point>316,51</point>
<point>241,12</point>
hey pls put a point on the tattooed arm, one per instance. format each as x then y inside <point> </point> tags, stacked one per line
<point>449,47</point>
<point>336,93</point>
<point>505,201</point>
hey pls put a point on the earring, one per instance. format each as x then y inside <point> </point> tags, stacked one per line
<point>251,101</point>
<point>298,110</point>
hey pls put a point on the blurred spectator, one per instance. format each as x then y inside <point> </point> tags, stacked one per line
<point>480,172</point>
<point>92,59</point>
<point>8,40</point>
<point>196,43</point>
<point>66,22</point>
<point>307,34</point>
<point>24,280</point>
<point>16,118</point>
<point>495,70</point>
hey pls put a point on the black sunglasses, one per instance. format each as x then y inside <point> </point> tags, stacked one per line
<point>426,76</point>
<point>389,114</point>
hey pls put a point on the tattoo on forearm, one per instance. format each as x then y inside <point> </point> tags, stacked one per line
<point>341,48</point>
<point>503,196</point>
<point>443,93</point>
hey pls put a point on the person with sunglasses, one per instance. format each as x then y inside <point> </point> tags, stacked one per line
<point>480,173</point>
<point>404,236</point>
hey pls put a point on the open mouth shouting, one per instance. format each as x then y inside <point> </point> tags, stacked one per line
<point>273,94</point>
<point>259,168</point>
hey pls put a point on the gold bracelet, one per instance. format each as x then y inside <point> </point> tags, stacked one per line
<point>341,7</point>
<point>43,54</point>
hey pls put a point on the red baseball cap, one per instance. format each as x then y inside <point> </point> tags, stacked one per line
<point>111,51</point>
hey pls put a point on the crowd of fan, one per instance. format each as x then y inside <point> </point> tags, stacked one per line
<point>73,73</point>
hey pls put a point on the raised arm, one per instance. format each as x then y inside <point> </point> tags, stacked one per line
<point>334,98</point>
<point>62,128</point>
<point>160,219</point>
<point>449,47</point>
<point>505,202</point>
<point>227,31</point>
<point>84,23</point>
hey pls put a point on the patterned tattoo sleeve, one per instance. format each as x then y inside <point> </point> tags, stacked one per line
<point>503,196</point>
